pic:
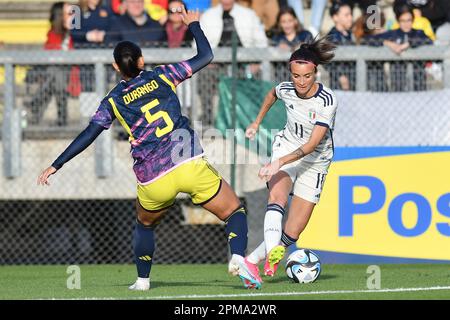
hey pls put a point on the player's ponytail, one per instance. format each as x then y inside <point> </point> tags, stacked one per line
<point>316,51</point>
<point>126,55</point>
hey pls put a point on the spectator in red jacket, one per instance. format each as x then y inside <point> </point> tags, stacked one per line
<point>58,81</point>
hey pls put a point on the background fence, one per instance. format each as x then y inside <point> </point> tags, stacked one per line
<point>87,214</point>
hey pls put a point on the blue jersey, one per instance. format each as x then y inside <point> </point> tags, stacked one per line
<point>300,37</point>
<point>340,38</point>
<point>149,110</point>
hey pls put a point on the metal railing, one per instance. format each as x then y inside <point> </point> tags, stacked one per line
<point>272,68</point>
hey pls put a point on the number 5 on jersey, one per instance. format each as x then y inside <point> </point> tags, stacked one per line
<point>160,114</point>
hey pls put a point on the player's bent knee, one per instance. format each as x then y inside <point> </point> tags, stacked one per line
<point>148,220</point>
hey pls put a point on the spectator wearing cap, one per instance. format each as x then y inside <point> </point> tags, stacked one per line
<point>400,40</point>
<point>342,74</point>
<point>137,26</point>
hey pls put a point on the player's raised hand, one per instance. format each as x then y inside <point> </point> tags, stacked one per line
<point>43,177</point>
<point>251,130</point>
<point>189,16</point>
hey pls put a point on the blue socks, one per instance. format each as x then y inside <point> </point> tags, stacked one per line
<point>144,246</point>
<point>236,231</point>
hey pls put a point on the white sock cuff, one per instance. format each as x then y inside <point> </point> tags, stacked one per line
<point>275,207</point>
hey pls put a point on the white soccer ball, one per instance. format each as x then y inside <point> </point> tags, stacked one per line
<point>303,266</point>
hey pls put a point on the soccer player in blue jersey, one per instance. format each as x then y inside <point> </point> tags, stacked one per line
<point>168,157</point>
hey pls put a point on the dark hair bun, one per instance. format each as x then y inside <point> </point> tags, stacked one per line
<point>126,54</point>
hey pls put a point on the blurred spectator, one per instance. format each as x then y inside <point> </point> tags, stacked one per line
<point>364,29</point>
<point>137,26</point>
<point>94,23</point>
<point>341,33</point>
<point>420,22</point>
<point>266,10</point>
<point>157,9</point>
<point>406,36</point>
<point>438,12</point>
<point>400,40</point>
<point>55,81</point>
<point>317,10</point>
<point>200,5</point>
<point>362,4</point>
<point>342,74</point>
<point>117,7</point>
<point>177,32</point>
<point>289,33</point>
<point>219,22</point>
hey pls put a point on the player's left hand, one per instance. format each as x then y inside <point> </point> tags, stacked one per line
<point>269,170</point>
<point>43,177</point>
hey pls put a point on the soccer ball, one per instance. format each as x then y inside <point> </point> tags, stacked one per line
<point>303,266</point>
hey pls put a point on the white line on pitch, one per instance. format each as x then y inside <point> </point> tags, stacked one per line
<point>271,294</point>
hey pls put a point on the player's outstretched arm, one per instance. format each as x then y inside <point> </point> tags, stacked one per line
<point>84,139</point>
<point>204,52</point>
<point>268,102</point>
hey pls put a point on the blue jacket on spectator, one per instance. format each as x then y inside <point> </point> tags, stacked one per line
<point>151,33</point>
<point>301,37</point>
<point>339,38</point>
<point>414,37</point>
<point>99,18</point>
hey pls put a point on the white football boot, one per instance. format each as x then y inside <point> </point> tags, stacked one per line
<point>141,284</point>
<point>238,267</point>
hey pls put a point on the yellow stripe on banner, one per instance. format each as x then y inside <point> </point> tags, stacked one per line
<point>120,118</point>
<point>170,83</point>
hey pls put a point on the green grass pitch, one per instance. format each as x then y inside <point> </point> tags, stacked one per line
<point>201,282</point>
